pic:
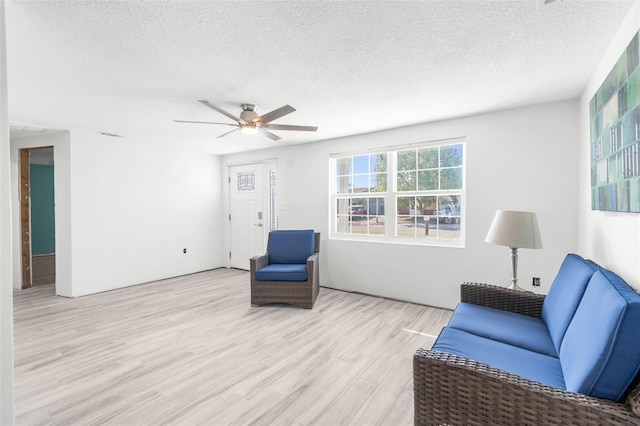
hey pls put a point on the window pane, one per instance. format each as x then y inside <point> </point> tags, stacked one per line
<point>451,178</point>
<point>273,224</point>
<point>342,206</point>
<point>447,223</point>
<point>359,225</point>
<point>360,215</point>
<point>379,182</point>
<point>342,218</point>
<point>357,211</point>
<point>376,225</point>
<point>378,163</point>
<point>375,211</point>
<point>428,158</point>
<point>406,226</point>
<point>246,182</point>
<point>404,204</point>
<point>407,181</point>
<point>449,216</point>
<point>449,202</point>
<point>343,166</point>
<point>451,156</point>
<point>358,203</point>
<point>361,174</point>
<point>360,164</point>
<point>361,183</point>
<point>343,185</point>
<point>427,180</point>
<point>342,224</point>
<point>428,204</point>
<point>407,160</point>
<point>376,206</point>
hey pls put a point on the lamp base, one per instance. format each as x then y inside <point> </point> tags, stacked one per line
<point>514,270</point>
<point>515,286</point>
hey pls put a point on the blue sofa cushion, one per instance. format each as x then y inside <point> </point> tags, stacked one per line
<point>504,326</point>
<point>291,246</point>
<point>528,364</point>
<point>565,294</point>
<point>279,272</point>
<point>600,352</point>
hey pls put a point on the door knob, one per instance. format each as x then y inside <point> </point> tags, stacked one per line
<point>257,224</point>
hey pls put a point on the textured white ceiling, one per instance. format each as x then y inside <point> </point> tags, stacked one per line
<point>349,67</point>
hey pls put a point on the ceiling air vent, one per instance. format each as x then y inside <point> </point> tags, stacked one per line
<point>113,135</point>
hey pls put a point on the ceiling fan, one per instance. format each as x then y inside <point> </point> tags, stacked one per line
<point>251,123</point>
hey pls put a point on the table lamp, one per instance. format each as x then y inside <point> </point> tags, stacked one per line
<point>515,230</point>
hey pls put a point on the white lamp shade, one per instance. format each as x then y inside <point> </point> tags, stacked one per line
<point>515,229</point>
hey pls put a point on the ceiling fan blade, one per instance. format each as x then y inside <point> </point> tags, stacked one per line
<point>228,133</point>
<point>204,122</point>
<point>269,134</point>
<point>274,115</point>
<point>223,112</point>
<point>291,127</point>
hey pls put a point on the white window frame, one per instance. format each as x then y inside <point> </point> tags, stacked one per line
<point>391,195</point>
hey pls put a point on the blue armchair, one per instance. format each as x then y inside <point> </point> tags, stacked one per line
<point>288,271</point>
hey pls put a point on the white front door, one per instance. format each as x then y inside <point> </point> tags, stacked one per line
<point>247,222</point>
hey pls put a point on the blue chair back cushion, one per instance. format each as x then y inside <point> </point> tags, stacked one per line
<point>565,294</point>
<point>280,272</point>
<point>291,246</point>
<point>600,353</point>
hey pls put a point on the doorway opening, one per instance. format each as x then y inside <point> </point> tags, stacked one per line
<point>37,217</point>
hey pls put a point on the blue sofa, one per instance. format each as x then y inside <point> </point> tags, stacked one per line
<point>509,357</point>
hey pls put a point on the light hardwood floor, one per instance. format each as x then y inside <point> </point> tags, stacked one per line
<point>192,351</point>
<point>43,269</point>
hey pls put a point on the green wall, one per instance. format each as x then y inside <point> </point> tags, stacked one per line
<point>43,233</point>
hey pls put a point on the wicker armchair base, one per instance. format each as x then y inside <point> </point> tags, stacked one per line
<point>297,293</point>
<point>301,294</point>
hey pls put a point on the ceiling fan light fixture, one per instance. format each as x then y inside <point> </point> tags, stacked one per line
<point>248,130</point>
<point>250,123</point>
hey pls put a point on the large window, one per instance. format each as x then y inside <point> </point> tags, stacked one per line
<point>413,194</point>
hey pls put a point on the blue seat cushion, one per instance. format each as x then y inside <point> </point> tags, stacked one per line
<point>278,272</point>
<point>522,362</point>
<point>600,352</point>
<point>565,294</point>
<point>503,326</point>
<point>291,246</point>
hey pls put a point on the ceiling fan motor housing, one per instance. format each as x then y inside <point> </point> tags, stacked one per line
<point>248,112</point>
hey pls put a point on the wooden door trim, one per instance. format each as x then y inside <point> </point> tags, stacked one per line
<point>25,219</point>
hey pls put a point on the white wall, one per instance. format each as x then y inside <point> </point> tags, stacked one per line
<point>135,205</point>
<point>611,239</point>
<point>520,159</point>
<point>6,296</point>
<point>125,209</point>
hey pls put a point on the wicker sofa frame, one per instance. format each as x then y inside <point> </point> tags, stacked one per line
<point>453,390</point>
<point>298,293</point>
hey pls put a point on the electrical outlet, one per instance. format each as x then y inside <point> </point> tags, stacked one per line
<point>536,282</point>
<point>184,250</point>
